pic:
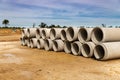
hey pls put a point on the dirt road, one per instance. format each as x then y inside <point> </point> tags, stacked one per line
<point>21,63</point>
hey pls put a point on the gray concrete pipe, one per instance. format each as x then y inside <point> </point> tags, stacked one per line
<point>45,33</point>
<point>23,41</point>
<point>55,33</point>
<point>24,33</point>
<point>84,34</point>
<point>100,35</point>
<point>48,44</point>
<point>38,33</point>
<point>33,43</point>
<point>106,51</point>
<point>28,42</point>
<point>31,32</point>
<point>67,47</point>
<point>40,43</point>
<point>58,45</point>
<point>76,48</point>
<point>87,49</point>
<point>63,34</point>
<point>72,34</point>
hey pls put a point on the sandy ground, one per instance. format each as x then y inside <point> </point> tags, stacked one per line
<point>21,63</point>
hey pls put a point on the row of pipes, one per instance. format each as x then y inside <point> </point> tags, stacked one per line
<point>99,43</point>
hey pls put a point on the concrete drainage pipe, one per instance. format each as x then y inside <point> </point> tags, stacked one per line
<point>38,33</point>
<point>72,34</point>
<point>84,34</point>
<point>33,43</point>
<point>48,44</point>
<point>55,33</point>
<point>87,49</point>
<point>63,34</point>
<point>67,47</point>
<point>40,43</point>
<point>76,48</point>
<point>28,43</point>
<point>24,33</point>
<point>106,51</point>
<point>23,41</point>
<point>100,35</point>
<point>45,33</point>
<point>58,45</point>
<point>31,32</point>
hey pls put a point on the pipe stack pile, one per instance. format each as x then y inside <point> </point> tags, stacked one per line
<point>98,43</point>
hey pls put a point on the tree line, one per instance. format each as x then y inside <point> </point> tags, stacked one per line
<point>6,22</point>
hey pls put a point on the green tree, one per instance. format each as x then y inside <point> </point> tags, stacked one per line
<point>43,25</point>
<point>5,22</point>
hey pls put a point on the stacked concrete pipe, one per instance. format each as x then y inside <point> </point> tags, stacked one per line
<point>72,34</point>
<point>67,47</point>
<point>31,32</point>
<point>76,48</point>
<point>40,43</point>
<point>55,33</point>
<point>87,49</point>
<point>45,34</point>
<point>24,33</point>
<point>63,34</point>
<point>84,34</point>
<point>48,44</point>
<point>100,35</point>
<point>106,51</point>
<point>38,33</point>
<point>33,43</point>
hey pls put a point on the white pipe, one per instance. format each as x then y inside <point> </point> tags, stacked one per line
<point>106,51</point>
<point>24,33</point>
<point>38,33</point>
<point>48,44</point>
<point>72,34</point>
<point>63,34</point>
<point>21,40</point>
<point>67,47</point>
<point>28,43</point>
<point>84,34</point>
<point>58,45</point>
<point>31,32</point>
<point>76,48</point>
<point>100,35</point>
<point>40,43</point>
<point>55,33</point>
<point>45,33</point>
<point>87,49</point>
<point>33,43</point>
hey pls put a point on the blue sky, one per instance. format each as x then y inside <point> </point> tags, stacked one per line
<point>60,12</point>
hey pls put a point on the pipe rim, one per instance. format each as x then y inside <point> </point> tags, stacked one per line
<point>98,50</point>
<point>55,46</point>
<point>38,44</point>
<point>43,34</point>
<point>46,45</point>
<point>98,35</point>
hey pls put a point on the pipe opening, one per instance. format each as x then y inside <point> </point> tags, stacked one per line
<point>68,45</point>
<point>99,52</point>
<point>83,33</point>
<point>75,47</point>
<point>71,32</point>
<point>98,34</point>
<point>86,49</point>
<point>63,34</point>
<point>38,31</point>
<point>55,44</point>
<point>23,31</point>
<point>43,32</point>
<point>53,32</point>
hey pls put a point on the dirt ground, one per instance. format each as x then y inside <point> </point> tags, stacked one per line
<point>22,63</point>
